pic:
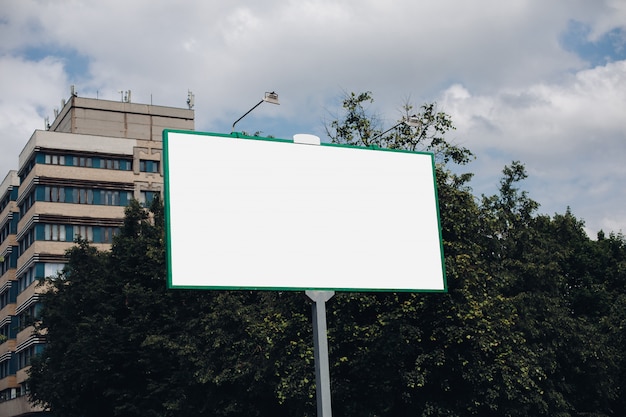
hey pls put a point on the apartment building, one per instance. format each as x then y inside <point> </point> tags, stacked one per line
<point>73,179</point>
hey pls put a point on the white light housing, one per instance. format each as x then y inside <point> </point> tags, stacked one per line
<point>271,98</point>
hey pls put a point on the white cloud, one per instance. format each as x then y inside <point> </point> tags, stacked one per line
<point>497,67</point>
<point>27,90</point>
<point>604,22</point>
<point>571,136</point>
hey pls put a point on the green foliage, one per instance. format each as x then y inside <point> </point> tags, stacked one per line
<point>121,344</point>
<point>359,128</point>
<point>257,133</point>
<point>533,323</point>
<point>530,324</point>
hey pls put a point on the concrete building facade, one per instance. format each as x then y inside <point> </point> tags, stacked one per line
<point>73,179</point>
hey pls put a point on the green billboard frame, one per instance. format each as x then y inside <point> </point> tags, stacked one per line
<point>178,161</point>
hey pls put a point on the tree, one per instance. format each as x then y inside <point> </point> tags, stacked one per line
<point>525,320</point>
<point>119,343</point>
<point>552,277</point>
<point>357,127</point>
<point>454,354</point>
<point>94,363</point>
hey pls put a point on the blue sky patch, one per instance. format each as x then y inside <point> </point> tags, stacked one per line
<point>610,47</point>
<point>76,65</point>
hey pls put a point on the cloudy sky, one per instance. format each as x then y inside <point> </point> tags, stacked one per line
<point>542,82</point>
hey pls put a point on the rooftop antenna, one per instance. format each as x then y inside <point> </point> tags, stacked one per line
<point>73,91</point>
<point>46,122</point>
<point>124,96</point>
<point>190,99</point>
<point>56,112</point>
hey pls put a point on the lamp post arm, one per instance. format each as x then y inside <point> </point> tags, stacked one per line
<point>388,130</point>
<point>257,105</point>
<point>412,121</point>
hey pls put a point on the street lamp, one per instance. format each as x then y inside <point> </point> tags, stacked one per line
<point>269,98</point>
<point>412,121</point>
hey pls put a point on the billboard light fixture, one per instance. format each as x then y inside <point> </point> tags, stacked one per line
<point>411,121</point>
<point>270,97</point>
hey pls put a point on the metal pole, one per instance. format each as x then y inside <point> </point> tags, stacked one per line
<point>320,344</point>
<point>255,106</point>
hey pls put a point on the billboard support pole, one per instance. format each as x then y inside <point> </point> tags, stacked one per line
<point>320,345</point>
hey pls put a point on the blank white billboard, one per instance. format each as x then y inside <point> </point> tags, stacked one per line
<point>258,213</point>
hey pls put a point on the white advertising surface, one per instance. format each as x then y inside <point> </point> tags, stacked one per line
<point>255,213</point>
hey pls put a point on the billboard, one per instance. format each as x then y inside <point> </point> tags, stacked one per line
<point>262,213</point>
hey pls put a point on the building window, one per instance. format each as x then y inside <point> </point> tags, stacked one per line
<point>27,239</point>
<point>54,232</point>
<point>28,316</point>
<point>54,194</point>
<point>27,168</point>
<point>82,196</point>
<point>4,232</point>
<point>8,394</point>
<point>146,197</point>
<point>84,232</point>
<point>110,163</point>
<point>9,228</point>
<point>108,233</point>
<point>37,271</point>
<point>85,161</point>
<point>55,159</point>
<point>6,369</point>
<point>8,296</point>
<point>82,161</point>
<point>5,331</point>
<point>26,279</point>
<point>115,198</point>
<point>76,196</point>
<point>110,198</point>
<point>10,327</point>
<point>52,270</point>
<point>10,195</point>
<point>4,299</point>
<point>10,260</point>
<point>25,356</point>
<point>27,203</point>
<point>148,166</point>
<point>114,163</point>
<point>4,266</point>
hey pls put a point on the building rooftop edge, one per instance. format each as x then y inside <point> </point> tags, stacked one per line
<point>11,180</point>
<point>121,107</point>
